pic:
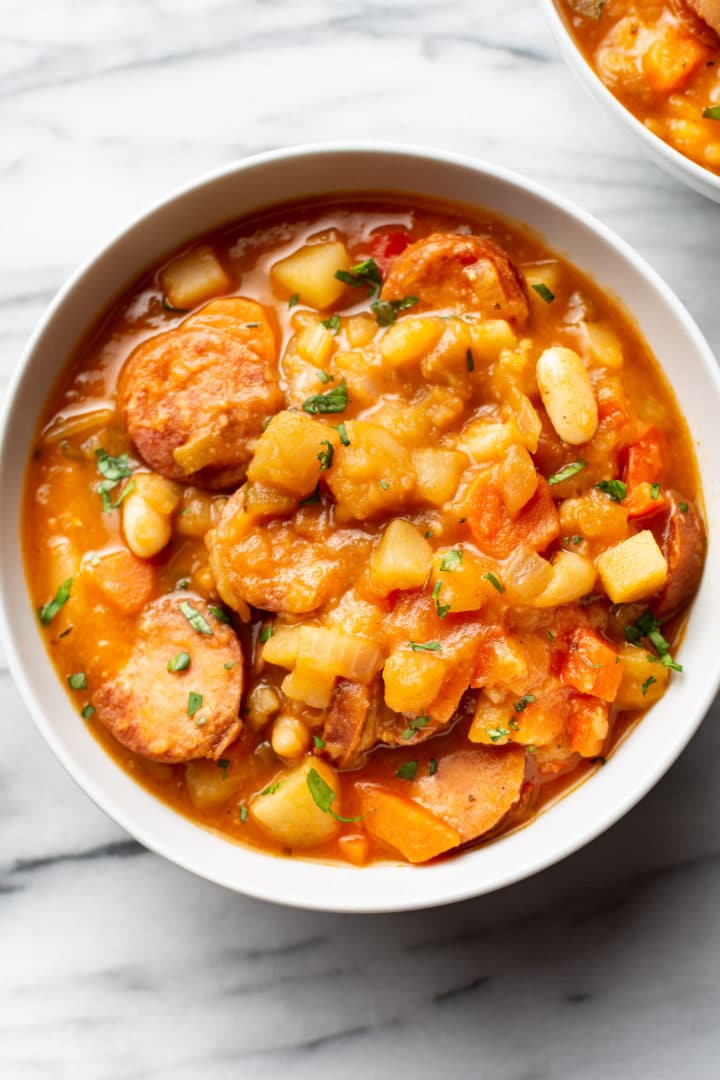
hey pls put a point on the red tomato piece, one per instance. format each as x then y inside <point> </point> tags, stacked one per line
<point>496,533</point>
<point>645,459</point>
<point>386,244</point>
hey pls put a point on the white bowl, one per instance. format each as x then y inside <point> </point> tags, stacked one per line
<point>664,155</point>
<point>289,174</point>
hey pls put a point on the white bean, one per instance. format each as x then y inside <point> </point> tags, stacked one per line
<point>290,736</point>
<point>567,395</point>
<point>146,530</point>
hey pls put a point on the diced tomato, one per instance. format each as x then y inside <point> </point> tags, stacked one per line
<point>592,666</point>
<point>613,408</point>
<point>387,244</point>
<point>645,459</point>
<point>496,533</point>
<point>588,723</point>
<point>644,499</point>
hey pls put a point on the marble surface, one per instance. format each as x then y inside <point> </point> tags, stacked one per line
<point>115,964</point>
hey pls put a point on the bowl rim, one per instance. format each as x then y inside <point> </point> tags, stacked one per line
<point>683,168</point>
<point>431,886</point>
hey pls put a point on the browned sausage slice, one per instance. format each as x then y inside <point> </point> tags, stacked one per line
<point>464,273</point>
<point>150,709</point>
<point>681,535</point>
<point>702,18</point>
<point>349,730</point>
<point>194,399</point>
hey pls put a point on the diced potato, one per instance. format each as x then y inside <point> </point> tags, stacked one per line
<point>281,647</point>
<point>409,339</point>
<point>200,512</point>
<point>264,502</point>
<point>489,337</point>
<point>360,330</point>
<point>545,273</point>
<point>286,454</point>
<point>364,374</point>
<point>305,683</point>
<point>162,494</point>
<point>374,474</point>
<point>467,586</point>
<point>527,421</point>
<point>355,847</point>
<point>501,661</point>
<point>193,278</point>
<point>491,723</point>
<point>594,516</point>
<point>208,785</point>
<point>331,652</point>
<point>412,679</point>
<point>287,811</point>
<point>310,273</point>
<point>438,474</point>
<point>525,575</point>
<point>588,724</point>
<point>604,346</point>
<point>403,825</point>
<point>633,569</point>
<point>316,344</point>
<point>518,479</point>
<point>486,440</point>
<point>640,670</point>
<point>513,371</point>
<point>449,362</point>
<point>401,559</point>
<point>573,577</point>
<point>411,425</point>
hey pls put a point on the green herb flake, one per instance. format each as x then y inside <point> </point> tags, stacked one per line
<point>271,788</point>
<point>223,764</point>
<point>498,733</point>
<point>184,583</point>
<point>181,662</point>
<point>313,497</point>
<point>572,469</point>
<point>428,534</point>
<point>387,311</point>
<point>318,742</point>
<point>229,665</point>
<point>550,635</point>
<point>712,112</point>
<point>173,310</point>
<point>243,813</point>
<point>195,701</point>
<point>383,484</point>
<point>49,611</point>
<point>432,766</point>
<point>470,360</point>
<point>127,490</point>
<point>332,401</point>
<point>201,721</point>
<point>543,292</point>
<point>522,704</point>
<point>113,468</point>
<point>415,725</point>
<point>325,457</point>
<point>342,432</point>
<point>436,590</point>
<point>427,646</point>
<point>683,506</point>
<point>648,626</point>
<point>77,681</point>
<point>266,633</point>
<point>294,299</point>
<point>655,492</point>
<point>87,712</point>
<point>495,582</point>
<point>332,324</point>
<point>647,684</point>
<point>198,621</point>
<point>219,613</point>
<point>599,760</point>
<point>363,273</point>
<point>324,376</point>
<point>614,489</point>
<point>407,770</point>
<point>324,796</point>
<point>451,559</point>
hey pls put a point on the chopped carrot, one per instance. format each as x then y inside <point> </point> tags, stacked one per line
<point>592,666</point>
<point>645,459</point>
<point>404,825</point>
<point>671,59</point>
<point>124,580</point>
<point>644,499</point>
<point>588,723</point>
<point>355,847</point>
<point>496,533</point>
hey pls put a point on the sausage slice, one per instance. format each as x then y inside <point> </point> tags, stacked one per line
<point>194,399</point>
<point>172,716</point>
<point>681,535</point>
<point>465,273</point>
<point>702,18</point>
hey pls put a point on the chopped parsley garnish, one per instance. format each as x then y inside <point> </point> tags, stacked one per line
<point>201,721</point>
<point>324,796</point>
<point>171,307</point>
<point>294,299</point>
<point>566,472</point>
<point>113,469</point>
<point>313,497</point>
<point>550,635</point>
<point>415,725</point>
<point>432,766</point>
<point>266,633</point>
<point>363,273</point>
<point>498,733</point>
<point>318,742</point>
<point>243,813</point>
<point>50,610</point>
<point>684,507</point>
<point>427,646</point>
<point>332,401</point>
<point>647,684</point>
<point>271,788</point>
<point>599,760</point>
<point>184,583</point>
<point>470,360</point>
<point>219,613</point>
<point>325,457</point>
<point>655,492</point>
<point>522,704</point>
<point>342,432</point>
<point>573,539</point>
<point>441,609</point>
<point>195,701</point>
<point>407,770</point>
<point>383,484</point>
<point>647,626</point>
<point>543,292</point>
<point>77,681</point>
<point>223,764</point>
<point>387,311</point>
<point>198,621</point>
<point>324,376</point>
<point>181,662</point>
<point>614,489</point>
<point>332,323</point>
<point>428,534</point>
<point>495,582</point>
<point>87,712</point>
<point>436,589</point>
<point>229,664</point>
<point>712,112</point>
<point>451,559</point>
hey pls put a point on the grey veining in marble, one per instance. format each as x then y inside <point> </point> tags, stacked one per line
<point>115,964</point>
